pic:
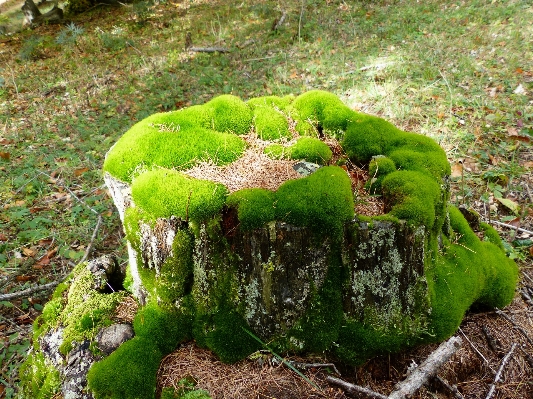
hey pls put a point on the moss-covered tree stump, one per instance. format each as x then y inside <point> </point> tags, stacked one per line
<point>295,221</point>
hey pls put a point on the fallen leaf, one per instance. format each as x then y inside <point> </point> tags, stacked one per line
<point>3,237</point>
<point>528,165</point>
<point>45,260</point>
<point>50,254</point>
<point>531,250</point>
<point>5,155</point>
<point>29,252</point>
<point>79,172</point>
<point>457,170</point>
<point>23,278</point>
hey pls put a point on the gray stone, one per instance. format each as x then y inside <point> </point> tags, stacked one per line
<point>110,338</point>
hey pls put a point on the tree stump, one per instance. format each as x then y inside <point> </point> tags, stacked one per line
<point>292,221</point>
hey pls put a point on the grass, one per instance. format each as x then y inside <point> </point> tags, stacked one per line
<point>454,71</point>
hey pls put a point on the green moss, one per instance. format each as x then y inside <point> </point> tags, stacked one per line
<point>39,379</point>
<point>165,327</point>
<point>379,167</point>
<point>322,110</point>
<point>87,310</point>
<point>468,272</point>
<point>255,207</point>
<point>491,235</point>
<point>271,124</point>
<point>174,140</point>
<point>307,148</point>
<point>225,334</point>
<point>164,193</point>
<point>230,114</point>
<point>48,319</point>
<point>413,196</point>
<point>312,150</point>
<point>130,372</point>
<point>175,277</point>
<point>275,102</point>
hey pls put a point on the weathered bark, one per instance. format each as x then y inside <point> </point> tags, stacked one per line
<point>277,269</point>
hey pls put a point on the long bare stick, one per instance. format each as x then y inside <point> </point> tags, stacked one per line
<point>504,362</point>
<point>351,388</point>
<point>427,369</point>
<point>451,388</point>
<point>28,291</point>
<point>510,226</point>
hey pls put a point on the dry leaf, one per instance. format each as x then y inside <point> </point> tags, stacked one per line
<point>457,170</point>
<point>79,172</point>
<point>3,237</point>
<point>29,252</point>
<point>527,165</point>
<point>5,155</point>
<point>23,278</point>
<point>531,250</point>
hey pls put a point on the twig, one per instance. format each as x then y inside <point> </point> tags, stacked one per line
<point>209,49</point>
<point>510,226</point>
<point>306,366</point>
<point>493,343</point>
<point>510,320</point>
<point>351,388</point>
<point>93,237</point>
<point>277,24</point>
<point>451,388</point>
<point>476,350</point>
<point>28,291</point>
<point>427,369</point>
<point>529,358</point>
<point>13,79</point>
<point>525,296</point>
<point>504,362</point>
<point>527,277</point>
<point>300,21</point>
<point>71,193</point>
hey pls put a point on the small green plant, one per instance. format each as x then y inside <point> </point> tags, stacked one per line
<point>69,34</point>
<point>32,48</point>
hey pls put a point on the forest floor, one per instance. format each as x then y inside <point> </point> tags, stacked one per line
<point>460,72</point>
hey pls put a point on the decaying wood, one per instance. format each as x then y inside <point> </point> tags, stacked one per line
<point>28,291</point>
<point>34,17</point>
<point>279,22</point>
<point>209,49</point>
<point>427,369</point>
<point>451,388</point>
<point>511,320</point>
<point>504,362</point>
<point>351,388</point>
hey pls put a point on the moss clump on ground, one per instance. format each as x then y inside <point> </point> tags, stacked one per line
<point>467,272</point>
<point>271,124</point>
<point>318,110</point>
<point>255,207</point>
<point>307,148</point>
<point>379,167</point>
<point>164,193</point>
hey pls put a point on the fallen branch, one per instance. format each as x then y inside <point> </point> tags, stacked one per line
<point>511,320</point>
<point>277,23</point>
<point>93,237</point>
<point>510,226</point>
<point>427,369</point>
<point>351,388</point>
<point>415,380</point>
<point>209,49</point>
<point>451,388</point>
<point>476,350</point>
<point>528,357</point>
<point>525,296</point>
<point>28,291</point>
<point>504,362</point>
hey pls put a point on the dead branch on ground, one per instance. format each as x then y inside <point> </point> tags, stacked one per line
<point>28,291</point>
<point>504,362</point>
